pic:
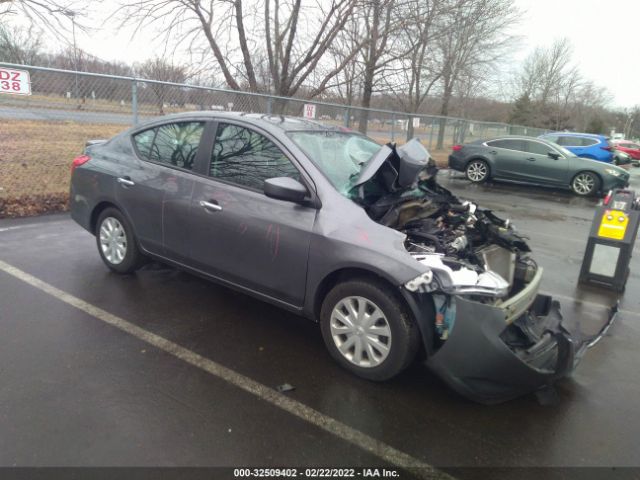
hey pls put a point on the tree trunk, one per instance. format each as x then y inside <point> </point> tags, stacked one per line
<point>444,111</point>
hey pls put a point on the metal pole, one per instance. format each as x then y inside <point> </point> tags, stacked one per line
<point>269,105</point>
<point>346,119</point>
<point>433,123</point>
<point>134,101</point>
<point>75,50</point>
<point>393,127</point>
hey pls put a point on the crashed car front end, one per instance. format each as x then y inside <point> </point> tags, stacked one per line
<point>488,331</point>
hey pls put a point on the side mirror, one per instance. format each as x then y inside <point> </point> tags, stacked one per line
<point>553,155</point>
<point>285,188</point>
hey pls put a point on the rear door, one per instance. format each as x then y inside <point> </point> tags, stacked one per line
<point>156,191</point>
<point>510,156</point>
<point>240,235</point>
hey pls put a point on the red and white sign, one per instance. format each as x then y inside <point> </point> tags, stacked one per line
<point>15,82</point>
<point>309,110</point>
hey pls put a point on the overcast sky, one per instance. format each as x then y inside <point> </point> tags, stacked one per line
<point>604,35</point>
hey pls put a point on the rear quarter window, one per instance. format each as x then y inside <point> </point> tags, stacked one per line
<point>143,142</point>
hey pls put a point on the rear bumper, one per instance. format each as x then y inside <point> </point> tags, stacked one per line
<point>489,360</point>
<point>456,163</point>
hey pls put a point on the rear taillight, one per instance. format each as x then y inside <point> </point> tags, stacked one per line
<point>80,160</point>
<point>456,148</point>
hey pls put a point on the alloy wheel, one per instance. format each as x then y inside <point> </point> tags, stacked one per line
<point>477,171</point>
<point>113,240</point>
<point>360,331</point>
<point>584,183</point>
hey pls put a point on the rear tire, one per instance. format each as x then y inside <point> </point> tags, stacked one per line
<point>585,184</point>
<point>117,244</point>
<point>477,171</point>
<point>367,330</point>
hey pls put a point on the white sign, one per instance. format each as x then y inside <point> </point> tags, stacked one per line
<point>309,110</point>
<point>416,122</point>
<point>15,82</point>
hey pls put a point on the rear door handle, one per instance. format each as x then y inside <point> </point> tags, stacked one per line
<point>210,205</point>
<point>126,181</point>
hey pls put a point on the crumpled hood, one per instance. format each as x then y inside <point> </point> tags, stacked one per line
<point>397,168</point>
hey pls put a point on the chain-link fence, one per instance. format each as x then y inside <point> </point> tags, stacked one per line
<point>41,133</point>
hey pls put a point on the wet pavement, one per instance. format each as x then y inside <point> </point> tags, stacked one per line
<point>75,391</point>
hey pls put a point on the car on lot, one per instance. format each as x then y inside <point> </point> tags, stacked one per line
<point>630,148</point>
<point>535,161</point>
<point>337,228</point>
<point>585,145</point>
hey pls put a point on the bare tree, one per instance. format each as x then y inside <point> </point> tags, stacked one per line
<point>48,14</point>
<point>381,47</point>
<point>475,35</point>
<point>165,71</point>
<point>419,69</point>
<point>20,45</point>
<point>293,37</point>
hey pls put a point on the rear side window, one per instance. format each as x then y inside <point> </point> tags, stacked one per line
<point>176,144</point>
<point>509,143</point>
<point>247,158</point>
<point>588,142</point>
<point>143,142</point>
<point>551,138</point>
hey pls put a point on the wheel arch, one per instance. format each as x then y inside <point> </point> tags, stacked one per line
<point>417,305</point>
<point>586,170</point>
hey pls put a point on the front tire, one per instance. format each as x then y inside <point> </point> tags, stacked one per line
<point>367,330</point>
<point>116,242</point>
<point>585,184</point>
<point>477,171</point>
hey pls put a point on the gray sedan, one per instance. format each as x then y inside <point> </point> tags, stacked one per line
<point>328,224</point>
<point>535,161</point>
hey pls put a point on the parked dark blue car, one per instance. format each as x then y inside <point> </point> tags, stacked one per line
<point>585,145</point>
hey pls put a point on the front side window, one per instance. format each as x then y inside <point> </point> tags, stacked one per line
<point>568,141</point>
<point>247,158</point>
<point>176,144</point>
<point>537,148</point>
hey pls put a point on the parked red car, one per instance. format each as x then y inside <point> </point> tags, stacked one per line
<point>628,147</point>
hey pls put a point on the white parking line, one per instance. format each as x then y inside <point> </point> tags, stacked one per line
<point>367,443</point>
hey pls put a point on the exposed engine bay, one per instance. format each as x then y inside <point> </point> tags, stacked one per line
<point>471,250</point>
<point>494,336</point>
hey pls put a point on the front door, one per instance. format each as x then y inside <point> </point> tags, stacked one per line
<point>240,235</point>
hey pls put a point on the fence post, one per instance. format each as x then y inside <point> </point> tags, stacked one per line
<point>269,105</point>
<point>393,127</point>
<point>347,115</point>
<point>134,101</point>
<point>433,124</point>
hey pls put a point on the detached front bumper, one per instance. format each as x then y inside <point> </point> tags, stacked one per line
<point>491,356</point>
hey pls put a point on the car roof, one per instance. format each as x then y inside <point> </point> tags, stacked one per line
<point>511,137</point>
<point>577,134</point>
<point>282,122</point>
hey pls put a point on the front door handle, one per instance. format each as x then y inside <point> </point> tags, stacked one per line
<point>531,159</point>
<point>210,206</point>
<point>493,152</point>
<point>126,181</point>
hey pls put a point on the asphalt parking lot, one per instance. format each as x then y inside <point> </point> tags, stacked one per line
<point>164,368</point>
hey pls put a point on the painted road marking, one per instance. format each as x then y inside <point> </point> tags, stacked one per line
<point>365,442</point>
